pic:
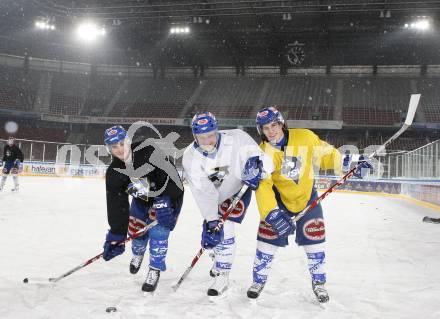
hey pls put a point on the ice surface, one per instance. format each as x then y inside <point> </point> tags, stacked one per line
<point>382,261</point>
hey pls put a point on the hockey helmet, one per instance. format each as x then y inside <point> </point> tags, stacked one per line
<point>268,115</point>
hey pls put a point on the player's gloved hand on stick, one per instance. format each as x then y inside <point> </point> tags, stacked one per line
<point>252,172</point>
<point>164,212</point>
<point>281,222</point>
<point>363,165</point>
<point>211,238</point>
<point>111,248</point>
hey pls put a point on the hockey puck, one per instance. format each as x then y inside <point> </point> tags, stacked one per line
<point>25,280</point>
<point>111,309</point>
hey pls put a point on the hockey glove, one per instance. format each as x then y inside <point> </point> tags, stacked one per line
<point>164,212</point>
<point>363,165</point>
<point>281,222</point>
<point>18,166</point>
<point>111,248</point>
<point>252,172</point>
<point>210,237</point>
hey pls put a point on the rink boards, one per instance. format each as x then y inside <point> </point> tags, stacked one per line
<point>424,192</point>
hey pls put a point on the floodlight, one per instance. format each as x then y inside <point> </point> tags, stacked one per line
<point>419,25</point>
<point>89,32</point>
<point>180,30</point>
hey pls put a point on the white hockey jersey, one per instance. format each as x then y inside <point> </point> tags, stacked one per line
<point>217,177</point>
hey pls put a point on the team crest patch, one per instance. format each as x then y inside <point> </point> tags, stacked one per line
<point>291,168</point>
<point>237,212</point>
<point>314,229</point>
<point>265,231</point>
<point>218,175</point>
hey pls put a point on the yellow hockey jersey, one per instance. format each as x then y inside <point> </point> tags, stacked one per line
<point>293,170</point>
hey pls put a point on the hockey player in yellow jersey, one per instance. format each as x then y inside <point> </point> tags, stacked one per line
<point>286,191</point>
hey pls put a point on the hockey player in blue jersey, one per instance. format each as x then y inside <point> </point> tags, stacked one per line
<point>156,196</point>
<point>12,163</point>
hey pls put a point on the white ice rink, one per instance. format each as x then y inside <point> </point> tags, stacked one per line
<point>382,261</point>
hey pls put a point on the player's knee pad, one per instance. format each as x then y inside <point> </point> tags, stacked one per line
<point>316,261</point>
<point>238,213</point>
<point>263,261</point>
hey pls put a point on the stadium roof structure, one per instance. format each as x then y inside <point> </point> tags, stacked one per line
<point>237,32</point>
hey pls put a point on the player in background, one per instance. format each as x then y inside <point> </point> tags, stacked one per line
<point>286,192</point>
<point>216,165</point>
<point>164,206</point>
<point>12,161</point>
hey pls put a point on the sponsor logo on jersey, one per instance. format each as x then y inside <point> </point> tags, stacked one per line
<point>265,231</point>
<point>160,205</point>
<point>135,225</point>
<point>238,210</point>
<point>314,229</point>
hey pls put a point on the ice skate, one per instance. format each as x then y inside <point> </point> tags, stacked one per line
<point>150,284</point>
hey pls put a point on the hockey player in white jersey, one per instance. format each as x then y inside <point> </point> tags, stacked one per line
<point>217,164</point>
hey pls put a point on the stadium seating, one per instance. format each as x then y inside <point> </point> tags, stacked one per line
<point>154,97</point>
<point>375,101</point>
<point>430,100</point>
<point>17,88</point>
